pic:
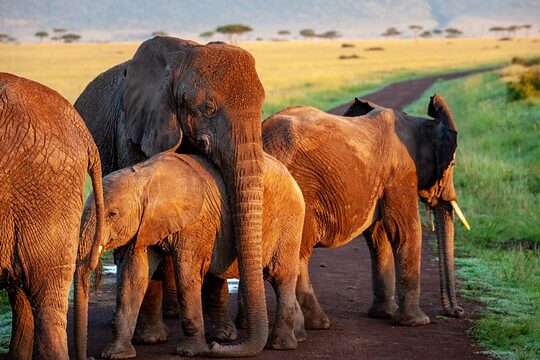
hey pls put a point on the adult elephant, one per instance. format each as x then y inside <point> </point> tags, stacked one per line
<point>363,174</point>
<point>172,90</point>
<point>46,153</point>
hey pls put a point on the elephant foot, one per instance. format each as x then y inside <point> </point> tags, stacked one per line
<point>189,348</point>
<point>221,330</point>
<point>314,316</point>
<point>119,350</point>
<point>282,339</point>
<point>299,327</point>
<point>150,332</point>
<point>455,312</point>
<point>413,317</point>
<point>382,309</point>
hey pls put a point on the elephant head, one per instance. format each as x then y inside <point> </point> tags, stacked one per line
<point>434,144</point>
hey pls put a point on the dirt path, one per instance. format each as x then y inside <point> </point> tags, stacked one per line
<point>342,279</point>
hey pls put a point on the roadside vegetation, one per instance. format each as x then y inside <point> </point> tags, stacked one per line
<point>498,182</point>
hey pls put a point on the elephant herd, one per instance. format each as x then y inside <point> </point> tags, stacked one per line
<point>198,189</point>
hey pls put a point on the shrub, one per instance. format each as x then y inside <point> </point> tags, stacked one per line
<point>528,85</point>
<point>375,48</point>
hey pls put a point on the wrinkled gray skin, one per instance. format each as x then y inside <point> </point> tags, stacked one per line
<point>46,153</point>
<point>363,174</point>
<point>175,93</point>
<point>177,204</point>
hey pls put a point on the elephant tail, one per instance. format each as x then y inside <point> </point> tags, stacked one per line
<point>97,185</point>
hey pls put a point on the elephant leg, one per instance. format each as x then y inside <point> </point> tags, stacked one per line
<point>49,301</point>
<point>240,319</point>
<point>136,268</point>
<point>217,323</point>
<point>188,285</point>
<point>151,328</point>
<point>22,326</point>
<point>289,319</point>
<point>170,301</point>
<point>383,276</point>
<point>401,221</point>
<point>314,315</point>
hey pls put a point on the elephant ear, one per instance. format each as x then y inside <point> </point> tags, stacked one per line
<point>148,102</point>
<point>361,107</point>
<point>444,134</point>
<point>172,200</point>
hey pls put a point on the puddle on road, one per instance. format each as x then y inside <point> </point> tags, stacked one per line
<point>232,283</point>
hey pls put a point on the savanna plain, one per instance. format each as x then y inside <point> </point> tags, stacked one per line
<point>498,160</point>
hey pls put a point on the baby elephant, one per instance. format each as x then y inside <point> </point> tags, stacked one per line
<point>178,205</point>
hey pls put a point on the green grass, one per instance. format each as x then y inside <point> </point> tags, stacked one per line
<point>5,322</point>
<point>498,183</point>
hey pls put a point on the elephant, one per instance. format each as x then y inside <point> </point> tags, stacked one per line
<point>178,204</point>
<point>363,174</point>
<point>46,154</point>
<point>182,96</point>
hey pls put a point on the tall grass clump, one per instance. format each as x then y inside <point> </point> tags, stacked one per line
<point>526,86</point>
<point>498,184</point>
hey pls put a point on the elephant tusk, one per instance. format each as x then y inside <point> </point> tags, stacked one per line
<point>429,215</point>
<point>100,249</point>
<point>460,214</point>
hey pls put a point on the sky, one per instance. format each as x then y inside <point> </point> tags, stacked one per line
<point>135,20</point>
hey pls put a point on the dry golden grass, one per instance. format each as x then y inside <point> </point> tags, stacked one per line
<point>288,70</point>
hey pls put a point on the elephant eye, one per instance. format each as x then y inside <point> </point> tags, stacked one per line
<point>208,109</point>
<point>111,214</point>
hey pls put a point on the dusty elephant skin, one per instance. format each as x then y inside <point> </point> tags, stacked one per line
<point>178,204</point>
<point>175,90</point>
<point>359,175</point>
<point>46,153</point>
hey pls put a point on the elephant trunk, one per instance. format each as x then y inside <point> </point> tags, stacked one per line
<point>445,238</point>
<point>244,175</point>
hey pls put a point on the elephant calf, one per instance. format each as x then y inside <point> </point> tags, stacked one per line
<point>177,204</point>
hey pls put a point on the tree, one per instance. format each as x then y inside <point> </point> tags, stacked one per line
<point>307,33</point>
<point>496,29</point>
<point>390,32</point>
<point>331,34</point>
<point>206,34</point>
<point>284,33</point>
<point>426,34</point>
<point>71,37</point>
<point>41,35</point>
<point>527,27</point>
<point>159,33</point>
<point>58,33</point>
<point>453,32</point>
<point>3,37</point>
<point>233,30</point>
<point>415,29</point>
<point>437,31</point>
<point>512,30</point>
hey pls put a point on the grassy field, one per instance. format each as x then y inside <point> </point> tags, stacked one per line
<point>295,72</point>
<point>498,182</point>
<point>310,73</point>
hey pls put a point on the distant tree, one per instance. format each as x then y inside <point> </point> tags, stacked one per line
<point>11,39</point>
<point>425,34</point>
<point>206,34</point>
<point>41,35</point>
<point>452,32</point>
<point>415,29</point>
<point>233,31</point>
<point>512,30</point>
<point>496,30</point>
<point>159,33</point>
<point>391,32</point>
<point>58,33</point>
<point>527,27</point>
<point>3,37</point>
<point>331,34</point>
<point>284,33</point>
<point>437,32</point>
<point>71,37</point>
<point>307,33</point>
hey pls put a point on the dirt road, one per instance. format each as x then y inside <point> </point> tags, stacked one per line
<point>341,278</point>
